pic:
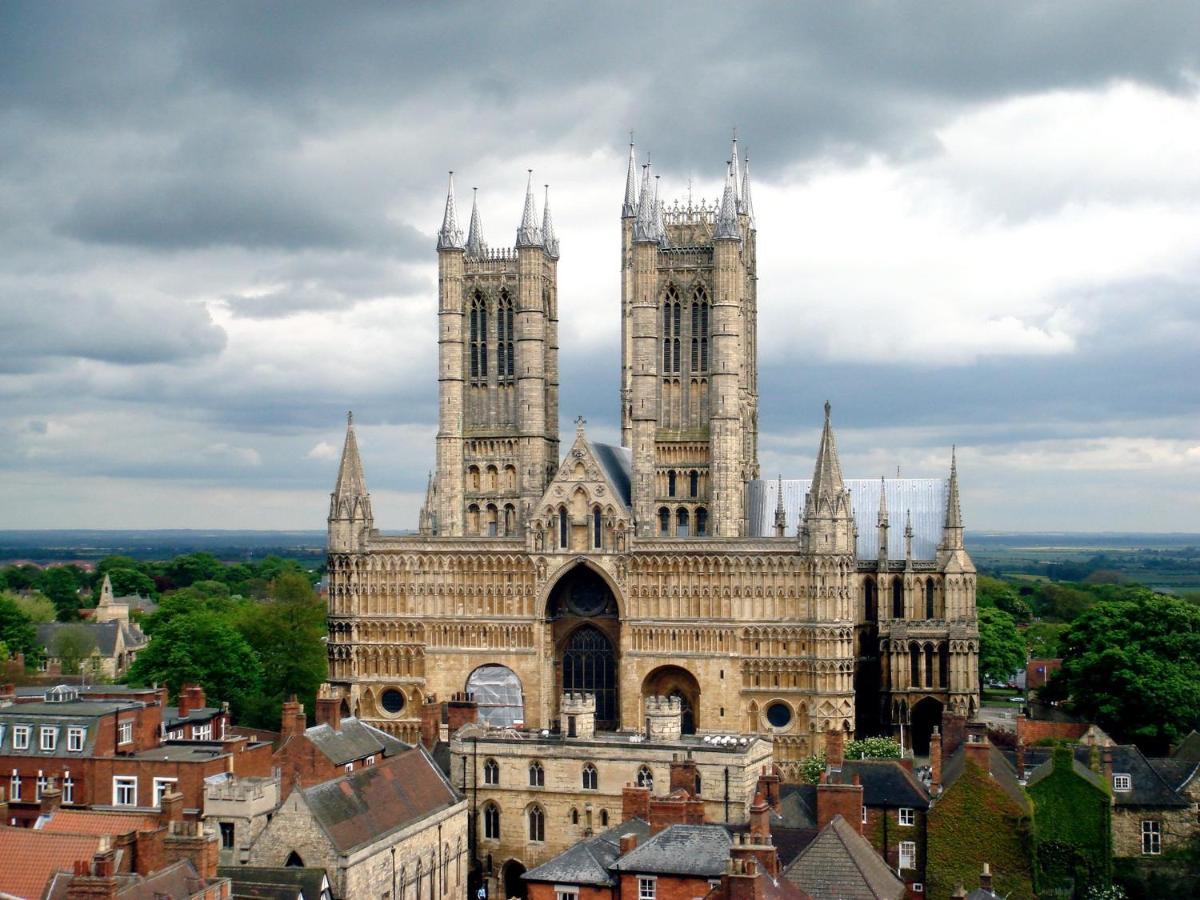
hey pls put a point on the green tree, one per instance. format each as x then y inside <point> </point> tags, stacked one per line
<point>1133,667</point>
<point>873,748</point>
<point>61,584</point>
<point>20,578</point>
<point>71,645</point>
<point>202,596</point>
<point>193,567</point>
<point>131,581</point>
<point>285,631</point>
<point>1042,639</point>
<point>16,630</point>
<point>201,647</point>
<point>1001,650</point>
<point>997,594</point>
<point>37,609</point>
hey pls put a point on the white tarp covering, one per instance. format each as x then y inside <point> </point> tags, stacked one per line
<point>497,691</point>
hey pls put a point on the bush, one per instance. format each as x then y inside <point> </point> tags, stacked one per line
<point>812,768</point>
<point>874,748</point>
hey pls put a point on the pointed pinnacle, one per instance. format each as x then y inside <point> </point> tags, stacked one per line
<point>747,201</point>
<point>450,236</point>
<point>827,475</point>
<point>735,169</point>
<point>630,206</point>
<point>549,240</point>
<point>883,510</point>
<point>475,244</point>
<point>529,234</point>
<point>727,223</point>
<point>350,478</point>
<point>645,228</point>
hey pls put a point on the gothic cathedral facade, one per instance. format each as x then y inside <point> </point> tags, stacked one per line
<point>662,567</point>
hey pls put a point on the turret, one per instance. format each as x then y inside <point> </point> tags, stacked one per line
<point>747,207</point>
<point>727,228</point>
<point>630,207</point>
<point>882,524</point>
<point>645,229</point>
<point>450,235</point>
<point>427,519</point>
<point>451,352</point>
<point>350,519</point>
<point>780,512</point>
<point>828,519</point>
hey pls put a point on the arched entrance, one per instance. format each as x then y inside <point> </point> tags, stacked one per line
<point>510,877</point>
<point>924,716</point>
<point>585,627</point>
<point>675,681</point>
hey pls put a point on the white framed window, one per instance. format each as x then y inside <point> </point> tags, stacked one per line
<point>202,732</point>
<point>48,738</point>
<point>908,854</point>
<point>176,735</point>
<point>125,732</point>
<point>1151,837</point>
<point>349,767</point>
<point>646,888</point>
<point>918,887</point>
<point>124,790</point>
<point>864,815</point>
<point>161,786</point>
<point>14,786</point>
<point>21,737</point>
<point>68,788</point>
<point>566,892</point>
<point>907,816</point>
<point>75,736</point>
<point>370,760</point>
<point>42,783</point>
<point>1122,782</point>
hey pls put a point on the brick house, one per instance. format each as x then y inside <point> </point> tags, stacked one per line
<point>389,829</point>
<point>108,753</point>
<point>1073,811</point>
<point>840,864</point>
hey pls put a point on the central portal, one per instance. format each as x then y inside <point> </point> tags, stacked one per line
<point>586,627</point>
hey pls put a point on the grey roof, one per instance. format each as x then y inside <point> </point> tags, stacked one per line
<point>200,715</point>
<point>1175,772</point>
<point>1189,747</point>
<point>617,463</point>
<point>924,498</point>
<point>798,805</point>
<point>887,783</point>
<point>842,865</point>
<point>260,881</point>
<point>354,740</point>
<point>590,861</point>
<point>1044,770</point>
<point>1001,770</point>
<point>700,850</point>
<point>1151,780</point>
<point>78,713</point>
<point>103,633</point>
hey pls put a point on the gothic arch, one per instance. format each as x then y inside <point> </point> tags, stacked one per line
<point>543,597</point>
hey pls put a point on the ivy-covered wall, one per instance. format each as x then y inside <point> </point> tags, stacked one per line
<point>884,831</point>
<point>973,822</point>
<point>1072,820</point>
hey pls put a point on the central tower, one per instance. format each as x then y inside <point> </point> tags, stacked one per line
<point>689,391</point>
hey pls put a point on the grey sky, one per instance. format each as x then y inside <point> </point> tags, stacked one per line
<point>978,224</point>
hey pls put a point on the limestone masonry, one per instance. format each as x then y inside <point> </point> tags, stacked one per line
<point>661,568</point>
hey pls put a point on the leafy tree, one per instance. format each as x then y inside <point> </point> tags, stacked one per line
<point>37,609</point>
<point>202,596</point>
<point>193,567</point>
<point>131,581</point>
<point>997,594</point>
<point>114,562</point>
<point>811,768</point>
<point>1042,639</point>
<point>1001,650</point>
<point>61,584</point>
<point>71,646</point>
<point>201,647</point>
<point>874,748</point>
<point>1133,667</point>
<point>20,578</point>
<point>16,630</point>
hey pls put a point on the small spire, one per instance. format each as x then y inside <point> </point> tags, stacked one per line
<point>645,228</point>
<point>780,512</point>
<point>883,511</point>
<point>548,238</point>
<point>475,242</point>
<point>106,591</point>
<point>727,222</point>
<point>580,422</point>
<point>827,475</point>
<point>529,234</point>
<point>747,202</point>
<point>450,236</point>
<point>735,169</point>
<point>350,479</point>
<point>630,207</point>
<point>660,223</point>
<point>952,532</point>
<point>908,538</point>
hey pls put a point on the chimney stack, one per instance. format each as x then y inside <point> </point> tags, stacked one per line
<point>635,803</point>
<point>684,776</point>
<point>743,880</point>
<point>935,762</point>
<point>171,807</point>
<point>835,749</point>
<point>977,747</point>
<point>628,842</point>
<point>985,878</point>
<point>51,798</point>
<point>431,722</point>
<point>329,709</point>
<point>845,800</point>
<point>461,710</point>
<point>292,722</point>
<point>768,786</point>
<point>1021,761</point>
<point>1106,756</point>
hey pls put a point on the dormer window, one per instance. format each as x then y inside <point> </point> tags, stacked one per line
<point>1122,782</point>
<point>21,737</point>
<point>48,738</point>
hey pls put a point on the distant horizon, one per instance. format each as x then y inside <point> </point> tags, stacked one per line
<point>976,532</point>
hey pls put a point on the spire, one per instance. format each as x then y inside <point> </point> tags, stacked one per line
<point>727,224</point>
<point>475,243</point>
<point>828,525</point>
<point>908,539</point>
<point>548,239</point>
<point>735,169</point>
<point>883,513</point>
<point>529,234</point>
<point>350,479</point>
<point>450,237</point>
<point>882,524</point>
<point>780,512</point>
<point>106,592</point>
<point>630,206</point>
<point>659,222</point>
<point>645,228</point>
<point>427,518</point>
<point>747,202</point>
<point>350,519</point>
<point>952,533</point>
<point>827,476</point>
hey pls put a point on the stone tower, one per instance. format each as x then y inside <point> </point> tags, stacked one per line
<point>497,442</point>
<point>350,520</point>
<point>689,395</point>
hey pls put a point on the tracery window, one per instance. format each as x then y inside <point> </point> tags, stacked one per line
<point>537,775</point>
<point>478,341</point>
<point>504,336</point>
<point>590,777</point>
<point>537,824</point>
<point>897,599</point>
<point>491,821</point>
<point>562,529</point>
<point>597,528</point>
<point>491,772</point>
<point>672,325</point>
<point>700,316</point>
<point>645,778</point>
<point>929,610</point>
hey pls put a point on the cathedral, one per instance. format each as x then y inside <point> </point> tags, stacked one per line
<point>664,567</point>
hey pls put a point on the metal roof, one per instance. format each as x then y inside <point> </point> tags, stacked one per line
<point>923,498</point>
<point>617,463</point>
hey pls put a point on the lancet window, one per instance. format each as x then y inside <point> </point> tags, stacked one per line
<point>700,316</point>
<point>478,336</point>
<point>672,325</point>
<point>505,364</point>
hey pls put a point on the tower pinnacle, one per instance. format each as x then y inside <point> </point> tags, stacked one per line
<point>952,532</point>
<point>660,224</point>
<point>630,207</point>
<point>780,511</point>
<point>450,235</point>
<point>475,243</point>
<point>727,223</point>
<point>735,169</point>
<point>747,201</point>
<point>645,228</point>
<point>529,234</point>
<point>350,519</point>
<point>549,240</point>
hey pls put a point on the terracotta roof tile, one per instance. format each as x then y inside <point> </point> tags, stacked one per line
<point>41,855</point>
<point>86,821</point>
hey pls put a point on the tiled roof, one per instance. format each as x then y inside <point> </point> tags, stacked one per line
<point>1189,747</point>
<point>1001,770</point>
<point>700,850</point>
<point>886,783</point>
<point>354,740</point>
<point>103,633</point>
<point>1175,772</point>
<point>842,865</point>
<point>290,882</point>
<point>86,821</point>
<point>177,880</point>
<point>364,806</point>
<point>588,862</point>
<point>1150,783</point>
<point>40,855</point>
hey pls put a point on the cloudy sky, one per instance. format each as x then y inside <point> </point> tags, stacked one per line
<point>978,224</point>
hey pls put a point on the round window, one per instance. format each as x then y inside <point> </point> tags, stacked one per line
<point>392,700</point>
<point>779,714</point>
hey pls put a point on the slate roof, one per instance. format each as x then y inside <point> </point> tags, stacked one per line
<point>840,864</point>
<point>1175,772</point>
<point>1151,779</point>
<point>355,740</point>
<point>589,862</point>
<point>292,882</point>
<point>87,821</point>
<point>1001,770</point>
<point>698,850</point>
<point>617,463</point>
<point>103,633</point>
<point>886,783</point>
<point>80,713</point>
<point>364,806</point>
<point>1044,769</point>
<point>172,719</point>
<point>1189,747</point>
<point>41,855</point>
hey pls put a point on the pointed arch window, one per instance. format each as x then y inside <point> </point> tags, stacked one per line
<point>597,528</point>
<point>701,311</point>
<point>562,529</point>
<point>672,327</point>
<point>929,589</point>
<point>701,521</point>
<point>537,824</point>
<point>537,775</point>
<point>897,599</point>
<point>590,778</point>
<point>491,822</point>
<point>645,778</point>
<point>504,336</point>
<point>491,772</point>
<point>478,336</point>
